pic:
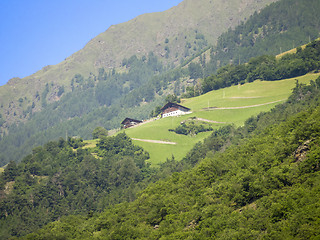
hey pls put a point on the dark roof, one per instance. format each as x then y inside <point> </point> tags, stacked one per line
<point>170,104</point>
<point>131,120</point>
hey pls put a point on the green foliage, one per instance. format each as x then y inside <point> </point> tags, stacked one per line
<point>10,172</point>
<point>99,132</point>
<point>275,27</point>
<point>261,180</point>
<point>74,142</point>
<point>121,145</point>
<point>156,111</point>
<point>172,98</point>
<point>61,178</point>
<point>253,190</point>
<point>240,188</point>
<point>79,113</point>
<point>192,128</point>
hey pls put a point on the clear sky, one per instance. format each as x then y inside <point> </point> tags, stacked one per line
<point>37,33</point>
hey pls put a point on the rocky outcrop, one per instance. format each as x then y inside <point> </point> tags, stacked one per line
<point>300,154</point>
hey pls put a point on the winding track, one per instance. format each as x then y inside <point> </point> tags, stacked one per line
<point>256,105</point>
<point>207,120</point>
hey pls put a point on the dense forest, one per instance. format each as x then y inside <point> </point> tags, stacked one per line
<point>62,178</point>
<point>256,181</point>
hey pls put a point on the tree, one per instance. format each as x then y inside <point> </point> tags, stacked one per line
<point>10,172</point>
<point>99,132</point>
<point>172,98</point>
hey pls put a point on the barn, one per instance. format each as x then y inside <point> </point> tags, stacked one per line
<point>174,109</point>
<point>129,122</point>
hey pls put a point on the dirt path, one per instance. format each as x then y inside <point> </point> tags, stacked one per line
<point>257,105</point>
<point>207,120</point>
<point>154,141</point>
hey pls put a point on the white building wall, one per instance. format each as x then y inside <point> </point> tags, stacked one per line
<point>175,113</point>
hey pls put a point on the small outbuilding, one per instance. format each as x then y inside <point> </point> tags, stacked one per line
<point>129,122</point>
<point>174,109</point>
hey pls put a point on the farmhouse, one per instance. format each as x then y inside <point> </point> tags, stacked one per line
<point>174,109</point>
<point>129,122</point>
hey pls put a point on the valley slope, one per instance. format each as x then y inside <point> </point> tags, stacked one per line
<point>63,178</point>
<point>253,175</point>
<point>85,91</point>
<point>197,23</point>
<point>259,181</point>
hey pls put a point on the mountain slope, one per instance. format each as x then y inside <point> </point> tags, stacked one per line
<point>233,105</point>
<point>277,28</point>
<point>107,98</point>
<point>190,26</point>
<point>256,182</point>
<point>61,178</point>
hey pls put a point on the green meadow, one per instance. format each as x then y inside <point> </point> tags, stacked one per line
<point>246,100</point>
<point>253,98</point>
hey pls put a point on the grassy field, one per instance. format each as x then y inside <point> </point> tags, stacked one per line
<point>261,93</point>
<point>1,170</point>
<point>231,105</point>
<point>158,130</point>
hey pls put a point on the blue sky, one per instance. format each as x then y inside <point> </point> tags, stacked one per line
<point>36,33</point>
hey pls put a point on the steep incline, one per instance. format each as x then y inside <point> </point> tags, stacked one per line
<point>172,35</point>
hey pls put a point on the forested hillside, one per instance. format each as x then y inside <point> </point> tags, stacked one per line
<point>102,100</point>
<point>265,67</point>
<point>256,181</point>
<point>106,96</point>
<point>281,26</point>
<point>62,178</point>
<point>172,36</point>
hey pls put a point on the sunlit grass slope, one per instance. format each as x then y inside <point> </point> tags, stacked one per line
<point>294,50</point>
<point>90,143</point>
<point>252,97</point>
